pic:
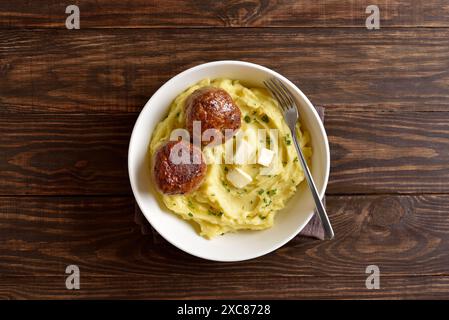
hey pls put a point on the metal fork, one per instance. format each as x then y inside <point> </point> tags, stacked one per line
<point>287,103</point>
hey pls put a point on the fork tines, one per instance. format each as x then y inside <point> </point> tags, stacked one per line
<point>281,93</point>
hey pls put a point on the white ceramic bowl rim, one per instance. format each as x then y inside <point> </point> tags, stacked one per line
<point>272,73</point>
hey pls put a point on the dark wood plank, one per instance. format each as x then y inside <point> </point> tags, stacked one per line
<point>64,154</point>
<point>388,152</point>
<point>254,13</point>
<point>268,287</point>
<point>41,235</point>
<point>118,70</point>
<point>406,236</point>
<point>74,154</point>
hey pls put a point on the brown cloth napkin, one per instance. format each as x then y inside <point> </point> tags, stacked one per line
<point>313,229</point>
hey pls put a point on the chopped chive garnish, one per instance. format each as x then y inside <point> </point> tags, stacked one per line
<point>287,140</point>
<point>268,141</point>
<point>217,214</point>
<point>267,203</point>
<point>265,118</point>
<point>247,119</point>
<point>225,185</point>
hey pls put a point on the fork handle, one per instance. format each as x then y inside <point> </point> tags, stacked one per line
<point>329,233</point>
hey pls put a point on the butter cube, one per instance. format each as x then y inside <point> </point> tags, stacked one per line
<point>238,177</point>
<point>265,157</point>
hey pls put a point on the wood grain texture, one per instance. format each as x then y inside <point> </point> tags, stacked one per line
<point>406,236</point>
<point>60,154</point>
<point>372,153</point>
<point>251,287</point>
<point>69,99</point>
<point>236,13</point>
<point>118,70</point>
<point>388,152</point>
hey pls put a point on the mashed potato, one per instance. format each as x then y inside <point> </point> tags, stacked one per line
<point>217,207</point>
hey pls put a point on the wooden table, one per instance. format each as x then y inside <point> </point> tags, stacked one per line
<point>69,99</point>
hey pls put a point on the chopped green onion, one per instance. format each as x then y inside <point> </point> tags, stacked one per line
<point>287,140</point>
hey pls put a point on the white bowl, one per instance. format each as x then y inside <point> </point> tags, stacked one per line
<point>242,245</point>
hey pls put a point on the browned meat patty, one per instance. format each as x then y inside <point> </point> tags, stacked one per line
<point>173,176</point>
<point>215,109</point>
